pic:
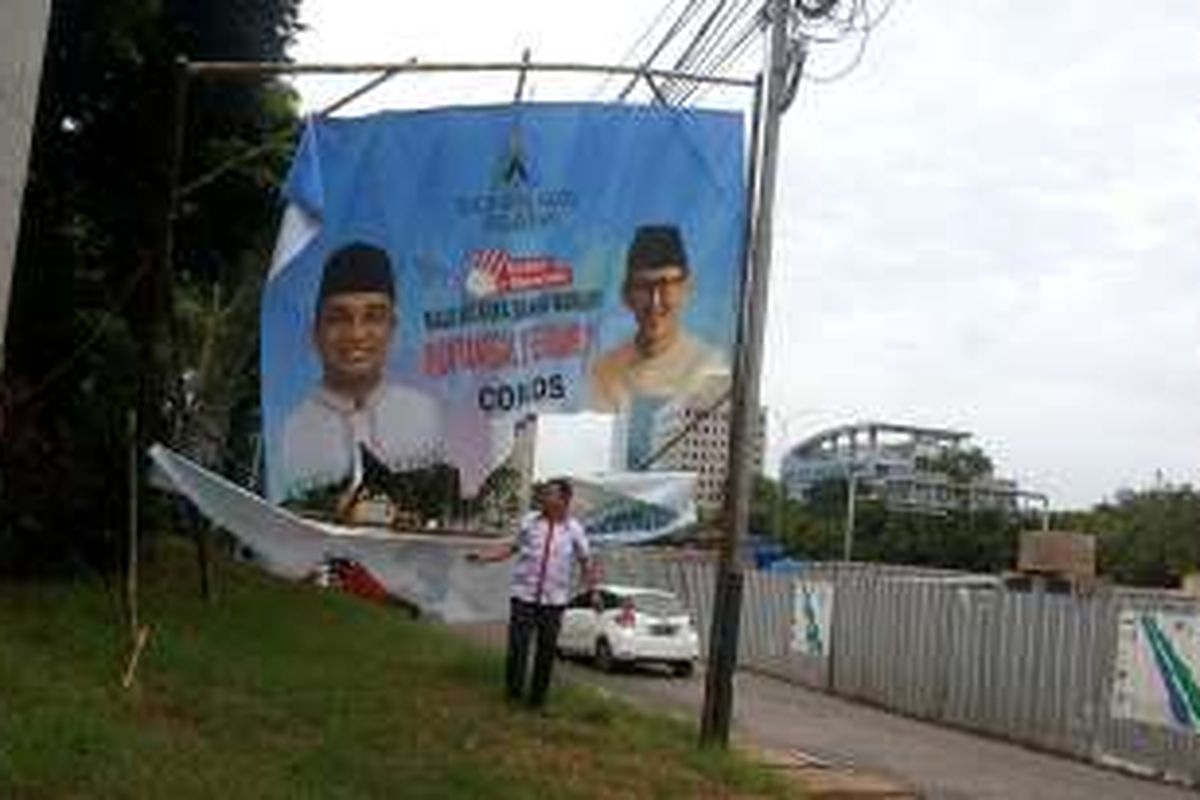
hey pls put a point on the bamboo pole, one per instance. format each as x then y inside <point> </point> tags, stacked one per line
<point>282,68</point>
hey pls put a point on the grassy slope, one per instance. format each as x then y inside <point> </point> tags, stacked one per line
<point>280,690</point>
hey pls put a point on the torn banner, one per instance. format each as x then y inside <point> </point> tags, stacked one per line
<point>428,570</point>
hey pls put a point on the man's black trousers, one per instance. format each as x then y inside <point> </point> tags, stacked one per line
<point>525,622</point>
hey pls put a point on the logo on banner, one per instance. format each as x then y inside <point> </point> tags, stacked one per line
<point>514,202</point>
<point>513,173</point>
<point>495,272</point>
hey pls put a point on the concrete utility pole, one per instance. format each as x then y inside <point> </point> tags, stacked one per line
<point>851,497</point>
<point>771,100</point>
<point>22,41</point>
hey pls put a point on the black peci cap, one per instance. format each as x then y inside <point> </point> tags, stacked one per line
<point>357,267</point>
<point>655,246</point>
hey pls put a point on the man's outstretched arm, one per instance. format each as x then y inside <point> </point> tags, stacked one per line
<point>497,552</point>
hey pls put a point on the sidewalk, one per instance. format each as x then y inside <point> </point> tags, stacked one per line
<point>844,749</point>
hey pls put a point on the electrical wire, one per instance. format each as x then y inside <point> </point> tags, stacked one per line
<point>704,55</point>
<point>732,52</point>
<point>882,15</point>
<point>698,90</point>
<point>685,60</point>
<point>720,37</point>
<point>685,16</point>
<point>705,46</point>
<point>712,56</point>
<point>736,45</point>
<point>838,74</point>
<point>863,23</point>
<point>842,72</point>
<point>632,49</point>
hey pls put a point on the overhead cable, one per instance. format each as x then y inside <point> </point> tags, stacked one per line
<point>710,55</point>
<point>679,24</point>
<point>733,51</point>
<point>632,49</point>
<point>722,31</point>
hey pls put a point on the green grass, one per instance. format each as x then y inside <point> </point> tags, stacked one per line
<point>282,690</point>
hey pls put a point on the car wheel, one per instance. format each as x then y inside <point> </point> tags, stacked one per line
<point>604,656</point>
<point>682,669</point>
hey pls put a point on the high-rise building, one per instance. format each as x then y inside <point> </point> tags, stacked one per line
<point>692,435</point>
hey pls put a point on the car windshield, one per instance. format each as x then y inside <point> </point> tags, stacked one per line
<point>658,605</point>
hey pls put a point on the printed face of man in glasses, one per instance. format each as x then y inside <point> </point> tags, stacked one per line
<point>662,361</point>
<point>657,298</point>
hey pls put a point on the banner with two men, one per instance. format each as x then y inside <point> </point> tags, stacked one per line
<point>444,275</point>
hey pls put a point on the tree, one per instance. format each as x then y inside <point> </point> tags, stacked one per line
<point>802,533</point>
<point>956,538</point>
<point>1145,538</point>
<point>88,335</point>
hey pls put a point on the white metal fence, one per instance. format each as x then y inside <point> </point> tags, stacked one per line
<point>1031,667</point>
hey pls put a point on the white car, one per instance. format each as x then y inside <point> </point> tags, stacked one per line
<point>630,625</point>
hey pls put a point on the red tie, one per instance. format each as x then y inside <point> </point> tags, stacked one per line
<point>537,598</point>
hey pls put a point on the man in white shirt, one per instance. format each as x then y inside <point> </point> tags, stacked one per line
<point>662,361</point>
<point>547,543</point>
<point>352,407</point>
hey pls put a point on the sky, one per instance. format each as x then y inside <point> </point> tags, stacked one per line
<point>990,224</point>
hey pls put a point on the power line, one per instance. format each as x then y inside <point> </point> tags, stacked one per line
<point>685,16</point>
<point>842,72</point>
<point>858,20</point>
<point>730,55</point>
<point>707,56</point>
<point>686,56</point>
<point>735,14</point>
<point>723,30</point>
<point>629,52</point>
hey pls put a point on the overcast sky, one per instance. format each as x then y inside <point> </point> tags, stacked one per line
<point>991,224</point>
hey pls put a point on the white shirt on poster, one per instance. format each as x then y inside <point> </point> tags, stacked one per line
<point>399,425</point>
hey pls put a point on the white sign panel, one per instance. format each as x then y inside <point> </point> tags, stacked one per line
<point>812,617</point>
<point>1158,661</point>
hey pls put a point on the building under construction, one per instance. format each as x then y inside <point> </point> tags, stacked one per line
<point>907,466</point>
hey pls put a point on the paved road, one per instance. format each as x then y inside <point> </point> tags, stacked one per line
<point>940,763</point>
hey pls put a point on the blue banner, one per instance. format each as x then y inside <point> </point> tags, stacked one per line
<point>443,274</point>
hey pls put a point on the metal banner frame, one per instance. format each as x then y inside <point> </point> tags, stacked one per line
<point>773,90</point>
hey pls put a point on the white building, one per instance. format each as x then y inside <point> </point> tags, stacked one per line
<point>692,435</point>
<point>905,465</point>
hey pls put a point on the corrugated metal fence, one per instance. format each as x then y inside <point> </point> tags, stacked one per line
<point>1031,667</point>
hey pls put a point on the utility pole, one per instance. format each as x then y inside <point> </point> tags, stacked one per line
<point>851,497</point>
<point>780,490</point>
<point>847,542</point>
<point>770,102</point>
<point>22,40</point>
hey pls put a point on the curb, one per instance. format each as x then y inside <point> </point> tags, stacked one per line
<point>822,780</point>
